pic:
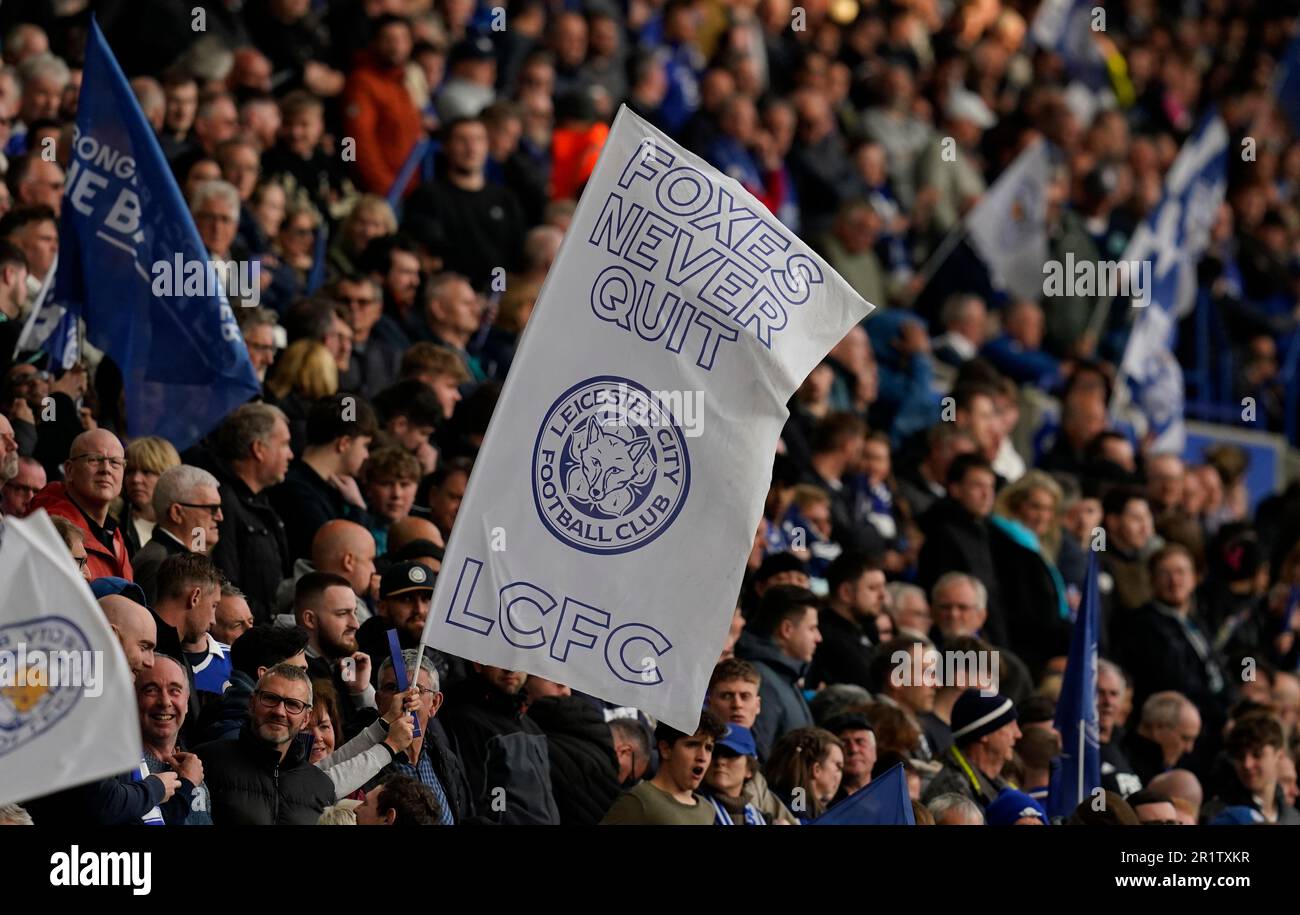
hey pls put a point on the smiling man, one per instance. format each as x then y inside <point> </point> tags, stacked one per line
<point>92,479</point>
<point>162,695</point>
<point>670,798</point>
<point>264,777</point>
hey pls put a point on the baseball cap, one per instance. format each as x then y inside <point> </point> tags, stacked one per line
<point>103,587</point>
<point>964,105</point>
<point>478,47</point>
<point>739,740</point>
<point>1012,805</point>
<point>404,578</point>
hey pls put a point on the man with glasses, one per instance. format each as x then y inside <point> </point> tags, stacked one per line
<point>265,777</point>
<point>376,348</point>
<point>16,495</point>
<point>92,479</point>
<point>187,509</point>
<point>429,759</point>
<point>258,328</point>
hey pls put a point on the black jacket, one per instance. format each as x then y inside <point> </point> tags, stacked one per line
<point>844,654</point>
<point>1161,656</point>
<point>957,541</point>
<point>504,752</point>
<point>1145,756</point>
<point>251,785</point>
<point>584,767</point>
<point>145,562</point>
<point>252,550</point>
<point>306,502</point>
<point>1035,628</point>
<point>1117,773</point>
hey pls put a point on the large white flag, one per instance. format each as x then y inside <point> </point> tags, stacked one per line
<point>67,705</point>
<point>1008,227</point>
<point>603,537</point>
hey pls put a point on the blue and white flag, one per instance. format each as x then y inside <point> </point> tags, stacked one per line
<point>884,802</point>
<point>1065,27</point>
<point>132,266</point>
<point>1286,84</point>
<point>67,702</point>
<point>1079,772</point>
<point>603,536</point>
<point>1172,239</point>
<point>51,329</point>
<point>1008,227</point>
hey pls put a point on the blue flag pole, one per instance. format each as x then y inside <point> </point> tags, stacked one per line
<point>399,671</point>
<point>1079,772</point>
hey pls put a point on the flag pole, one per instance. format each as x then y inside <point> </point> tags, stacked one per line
<point>940,254</point>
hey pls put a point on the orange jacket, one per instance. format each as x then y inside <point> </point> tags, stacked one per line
<point>380,116</point>
<point>574,152</point>
<point>54,499</point>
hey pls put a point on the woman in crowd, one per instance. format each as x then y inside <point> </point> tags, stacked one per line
<point>805,771</point>
<point>146,459</point>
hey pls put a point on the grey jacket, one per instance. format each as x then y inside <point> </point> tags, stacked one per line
<point>784,707</point>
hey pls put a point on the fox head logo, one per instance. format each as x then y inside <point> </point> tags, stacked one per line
<point>608,465</point>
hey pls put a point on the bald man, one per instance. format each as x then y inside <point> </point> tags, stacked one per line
<point>1179,784</point>
<point>135,629</point>
<point>1286,699</point>
<point>120,800</point>
<point>92,479</point>
<point>413,528</point>
<point>343,548</point>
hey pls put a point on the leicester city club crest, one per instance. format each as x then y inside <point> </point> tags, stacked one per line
<point>610,468</point>
<point>40,677</point>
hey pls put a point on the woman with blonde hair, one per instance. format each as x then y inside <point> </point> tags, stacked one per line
<point>146,459</point>
<point>1026,528</point>
<point>805,770</point>
<point>370,217</point>
<point>304,373</point>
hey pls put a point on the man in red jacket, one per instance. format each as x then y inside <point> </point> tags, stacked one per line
<point>378,112</point>
<point>92,479</point>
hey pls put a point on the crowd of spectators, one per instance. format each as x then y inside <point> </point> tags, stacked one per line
<point>943,477</point>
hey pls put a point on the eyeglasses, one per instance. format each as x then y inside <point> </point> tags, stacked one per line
<point>268,348</point>
<point>271,700</point>
<point>392,688</point>
<point>99,460</point>
<point>211,508</point>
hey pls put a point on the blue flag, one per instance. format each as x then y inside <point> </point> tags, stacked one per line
<point>1079,772</point>
<point>1286,84</point>
<point>1166,249</point>
<point>132,266</point>
<point>884,802</point>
